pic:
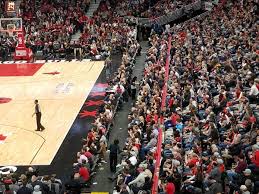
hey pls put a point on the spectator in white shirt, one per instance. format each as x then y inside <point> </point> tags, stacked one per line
<point>254,92</point>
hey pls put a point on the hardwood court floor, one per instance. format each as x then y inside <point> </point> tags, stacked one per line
<point>60,87</point>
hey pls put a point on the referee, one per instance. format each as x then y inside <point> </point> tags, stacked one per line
<point>38,116</point>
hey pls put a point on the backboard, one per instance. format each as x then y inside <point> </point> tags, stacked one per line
<point>10,25</point>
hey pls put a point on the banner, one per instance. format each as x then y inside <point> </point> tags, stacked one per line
<point>23,53</point>
<point>10,6</point>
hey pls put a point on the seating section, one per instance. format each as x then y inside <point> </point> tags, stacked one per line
<point>211,121</point>
<point>148,9</point>
<point>106,32</point>
<point>135,172</point>
<point>211,116</point>
<point>49,25</point>
<point>49,29</point>
<point>28,182</point>
<point>164,7</point>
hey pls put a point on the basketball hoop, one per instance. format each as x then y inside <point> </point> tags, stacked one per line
<point>10,33</point>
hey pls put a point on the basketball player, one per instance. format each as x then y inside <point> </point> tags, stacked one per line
<point>38,116</point>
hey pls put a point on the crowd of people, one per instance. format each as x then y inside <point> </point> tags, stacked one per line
<point>111,32</point>
<point>29,183</point>
<point>147,8</point>
<point>211,142</point>
<point>50,25</point>
<point>211,122</point>
<point>50,29</point>
<point>164,7</point>
<point>106,32</point>
<point>135,171</point>
<point>94,150</point>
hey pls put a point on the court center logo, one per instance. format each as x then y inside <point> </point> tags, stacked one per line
<point>64,88</point>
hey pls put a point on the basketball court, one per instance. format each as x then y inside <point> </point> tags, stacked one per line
<point>60,87</point>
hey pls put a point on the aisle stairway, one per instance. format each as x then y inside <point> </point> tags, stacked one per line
<point>101,183</point>
<point>75,37</point>
<point>92,8</point>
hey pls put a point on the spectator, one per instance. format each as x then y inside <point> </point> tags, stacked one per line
<point>36,190</point>
<point>170,187</point>
<point>114,150</point>
<point>24,189</point>
<point>74,184</point>
<point>84,173</point>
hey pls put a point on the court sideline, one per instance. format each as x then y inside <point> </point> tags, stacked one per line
<point>62,164</point>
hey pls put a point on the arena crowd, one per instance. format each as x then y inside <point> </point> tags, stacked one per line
<point>149,9</point>
<point>94,149</point>
<point>212,114</point>
<point>211,120</point>
<point>210,123</point>
<point>50,25</point>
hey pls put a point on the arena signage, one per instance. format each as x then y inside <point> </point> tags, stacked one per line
<point>10,6</point>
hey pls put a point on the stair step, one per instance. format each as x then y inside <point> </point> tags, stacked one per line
<point>93,7</point>
<point>76,36</point>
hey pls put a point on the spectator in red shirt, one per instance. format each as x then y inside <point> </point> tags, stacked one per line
<point>254,158</point>
<point>88,154</point>
<point>174,118</point>
<point>84,173</point>
<point>241,164</point>
<point>170,187</point>
<point>171,101</point>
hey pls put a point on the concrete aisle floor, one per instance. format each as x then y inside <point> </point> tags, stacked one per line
<point>101,183</point>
